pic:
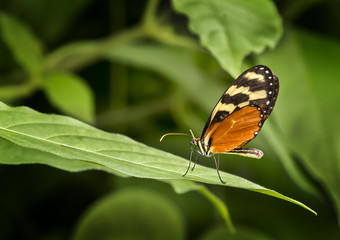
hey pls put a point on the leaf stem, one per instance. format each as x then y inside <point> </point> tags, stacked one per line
<point>220,205</point>
<point>149,17</point>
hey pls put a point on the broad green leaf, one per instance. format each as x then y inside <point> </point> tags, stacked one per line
<point>71,94</point>
<point>11,153</point>
<point>24,46</point>
<point>232,29</point>
<point>132,214</point>
<point>74,141</point>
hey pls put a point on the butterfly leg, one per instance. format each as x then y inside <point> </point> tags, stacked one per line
<point>217,163</point>
<point>189,165</point>
<point>194,164</point>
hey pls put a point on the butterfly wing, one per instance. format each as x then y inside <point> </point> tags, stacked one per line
<point>236,130</point>
<point>241,111</point>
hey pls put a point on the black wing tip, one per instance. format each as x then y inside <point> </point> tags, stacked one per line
<point>259,69</point>
<point>261,66</point>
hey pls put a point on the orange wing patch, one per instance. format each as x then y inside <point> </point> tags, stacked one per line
<point>236,130</point>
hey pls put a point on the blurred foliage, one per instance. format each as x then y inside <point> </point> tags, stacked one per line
<point>137,68</point>
<point>117,216</point>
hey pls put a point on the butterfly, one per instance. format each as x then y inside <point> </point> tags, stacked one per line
<point>237,117</point>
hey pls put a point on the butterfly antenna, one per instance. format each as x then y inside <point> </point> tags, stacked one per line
<point>192,134</point>
<point>167,134</point>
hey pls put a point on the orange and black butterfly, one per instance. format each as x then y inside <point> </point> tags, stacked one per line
<point>238,116</point>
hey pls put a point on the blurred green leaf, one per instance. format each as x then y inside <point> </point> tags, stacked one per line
<point>75,141</point>
<point>25,47</point>
<point>274,137</point>
<point>221,233</point>
<point>174,63</point>
<point>68,56</point>
<point>182,186</point>
<point>306,106</point>
<point>132,214</point>
<point>220,206</point>
<point>10,93</point>
<point>77,55</point>
<point>320,55</point>
<point>71,94</point>
<point>232,29</point>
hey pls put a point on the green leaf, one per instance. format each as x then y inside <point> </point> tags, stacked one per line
<point>73,141</point>
<point>220,232</point>
<point>274,137</point>
<point>177,64</point>
<point>71,94</point>
<point>306,108</point>
<point>70,56</point>
<point>182,186</point>
<point>25,47</point>
<point>132,214</point>
<point>232,29</point>
<point>74,56</point>
<point>220,206</point>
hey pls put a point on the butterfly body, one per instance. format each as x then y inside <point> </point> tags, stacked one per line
<point>239,115</point>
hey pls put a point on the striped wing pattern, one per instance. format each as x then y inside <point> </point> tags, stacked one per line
<point>241,111</point>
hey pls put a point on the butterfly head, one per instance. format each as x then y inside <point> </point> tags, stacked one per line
<point>199,147</point>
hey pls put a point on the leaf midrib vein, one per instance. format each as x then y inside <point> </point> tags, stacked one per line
<point>88,151</point>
